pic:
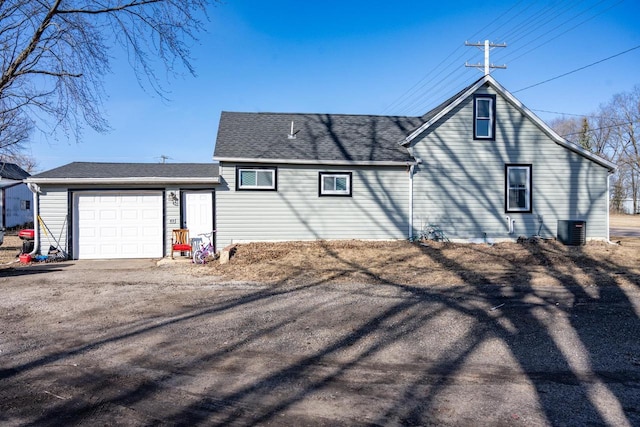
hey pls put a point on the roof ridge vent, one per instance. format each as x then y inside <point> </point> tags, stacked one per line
<point>292,134</point>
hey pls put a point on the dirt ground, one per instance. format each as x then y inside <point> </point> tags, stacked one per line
<point>328,333</point>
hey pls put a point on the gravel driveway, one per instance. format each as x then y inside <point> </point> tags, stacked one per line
<point>135,344</point>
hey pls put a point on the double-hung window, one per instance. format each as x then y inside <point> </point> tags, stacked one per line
<point>518,188</point>
<point>484,117</point>
<point>335,184</point>
<point>256,179</point>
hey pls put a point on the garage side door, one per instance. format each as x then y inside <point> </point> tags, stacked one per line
<point>118,225</point>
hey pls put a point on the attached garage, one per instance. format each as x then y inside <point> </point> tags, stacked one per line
<point>118,225</point>
<point>121,210</point>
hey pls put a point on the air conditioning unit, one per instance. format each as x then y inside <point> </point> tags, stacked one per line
<point>572,232</point>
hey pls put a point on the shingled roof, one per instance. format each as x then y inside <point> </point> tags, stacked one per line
<point>12,171</point>
<point>318,137</point>
<point>92,171</point>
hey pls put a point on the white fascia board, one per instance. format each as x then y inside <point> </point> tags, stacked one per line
<point>6,183</point>
<point>524,110</point>
<point>550,132</point>
<point>444,111</point>
<point>124,180</point>
<point>315,162</point>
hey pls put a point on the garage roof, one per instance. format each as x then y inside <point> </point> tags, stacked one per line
<point>94,172</point>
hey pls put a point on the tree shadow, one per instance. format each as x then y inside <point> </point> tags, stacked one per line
<point>571,344</point>
<point>551,341</point>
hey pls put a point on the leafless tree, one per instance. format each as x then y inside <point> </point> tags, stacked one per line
<point>624,109</point>
<point>612,132</point>
<point>567,127</point>
<point>54,55</point>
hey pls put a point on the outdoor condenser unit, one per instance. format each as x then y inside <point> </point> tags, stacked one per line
<point>572,232</point>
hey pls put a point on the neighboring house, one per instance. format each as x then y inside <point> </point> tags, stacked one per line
<point>15,198</point>
<point>122,210</point>
<point>479,166</point>
<point>627,207</point>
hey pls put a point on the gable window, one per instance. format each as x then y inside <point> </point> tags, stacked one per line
<point>335,184</point>
<point>518,188</point>
<point>484,117</point>
<point>256,179</point>
<point>25,205</point>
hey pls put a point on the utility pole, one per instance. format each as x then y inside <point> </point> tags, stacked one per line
<point>487,47</point>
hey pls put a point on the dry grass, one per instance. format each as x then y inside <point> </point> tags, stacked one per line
<point>9,250</point>
<point>618,220</point>
<point>401,262</point>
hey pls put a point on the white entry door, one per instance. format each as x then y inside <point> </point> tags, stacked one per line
<point>118,225</point>
<point>198,212</point>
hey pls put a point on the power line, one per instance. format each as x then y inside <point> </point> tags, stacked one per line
<point>578,69</point>
<point>402,100</point>
<point>546,23</point>
<point>564,114</point>
<point>564,32</point>
<point>600,128</point>
<point>592,116</point>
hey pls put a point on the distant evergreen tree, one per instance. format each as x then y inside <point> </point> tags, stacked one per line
<point>585,138</point>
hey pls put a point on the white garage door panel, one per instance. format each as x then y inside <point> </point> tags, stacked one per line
<point>119,225</point>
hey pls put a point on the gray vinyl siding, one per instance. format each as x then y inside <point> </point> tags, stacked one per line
<point>377,209</point>
<point>52,207</point>
<point>460,184</point>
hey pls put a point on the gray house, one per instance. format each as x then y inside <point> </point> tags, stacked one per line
<point>15,198</point>
<point>479,166</point>
<point>121,210</point>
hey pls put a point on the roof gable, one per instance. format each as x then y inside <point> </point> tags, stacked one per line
<point>440,111</point>
<point>328,138</point>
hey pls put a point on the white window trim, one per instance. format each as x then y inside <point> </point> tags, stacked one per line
<point>490,118</point>
<point>240,186</point>
<point>333,192</point>
<point>529,184</point>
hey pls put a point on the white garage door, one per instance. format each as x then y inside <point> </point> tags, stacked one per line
<point>118,225</point>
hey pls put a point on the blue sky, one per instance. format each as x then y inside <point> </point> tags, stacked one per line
<point>361,57</point>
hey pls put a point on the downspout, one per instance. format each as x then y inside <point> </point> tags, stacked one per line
<point>411,167</point>
<point>607,214</point>
<point>36,226</point>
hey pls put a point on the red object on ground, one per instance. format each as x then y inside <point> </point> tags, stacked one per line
<point>25,258</point>
<point>27,234</point>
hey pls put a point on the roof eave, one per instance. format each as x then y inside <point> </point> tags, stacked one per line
<point>444,111</point>
<point>316,162</point>
<point>6,183</point>
<point>125,180</point>
<point>550,132</point>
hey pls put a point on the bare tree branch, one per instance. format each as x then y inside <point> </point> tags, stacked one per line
<point>54,55</point>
